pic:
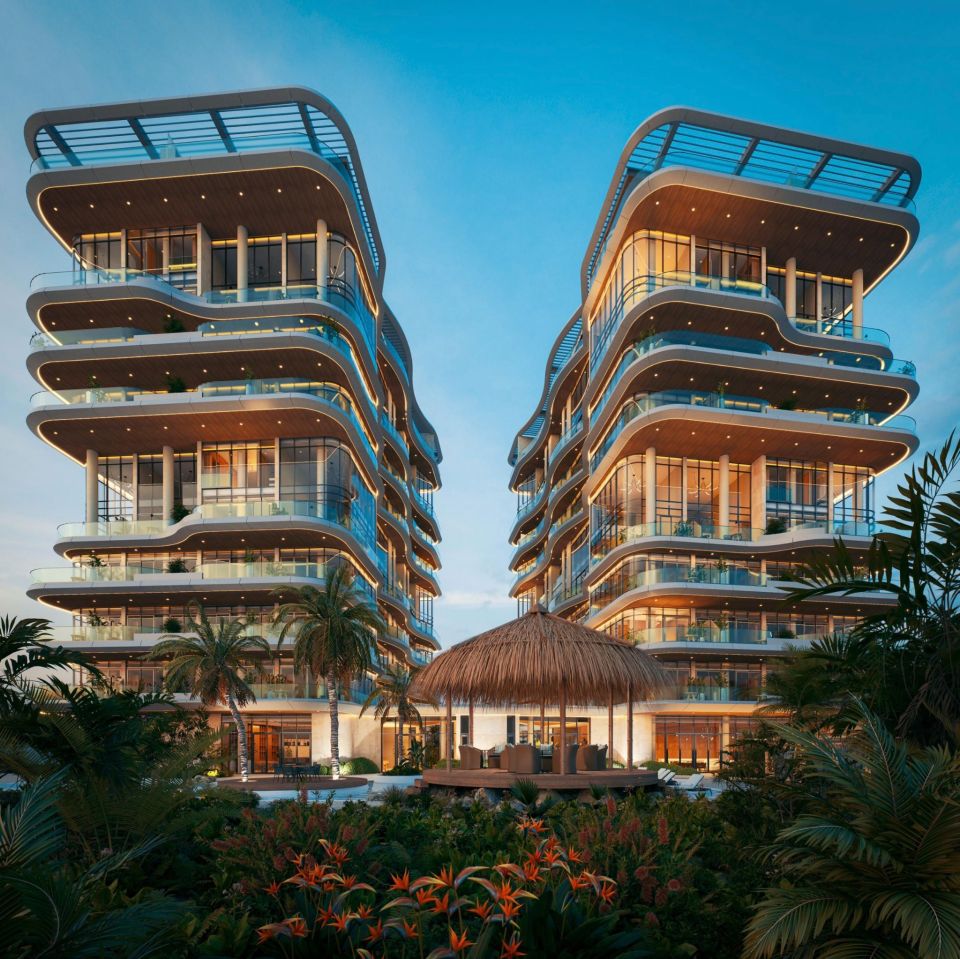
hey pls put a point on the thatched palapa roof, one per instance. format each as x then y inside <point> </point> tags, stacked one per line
<point>541,658</point>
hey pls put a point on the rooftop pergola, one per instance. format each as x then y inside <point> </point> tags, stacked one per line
<point>542,659</point>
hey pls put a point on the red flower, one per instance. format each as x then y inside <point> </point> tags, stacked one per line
<point>364,911</point>
<point>297,927</point>
<point>651,919</point>
<point>272,889</point>
<point>509,910</point>
<point>511,949</point>
<point>376,932</point>
<point>424,897</point>
<point>458,943</point>
<point>607,891</point>
<point>661,897</point>
<point>441,905</point>
<point>642,873</point>
<point>674,885</point>
<point>400,883</point>
<point>482,909</point>
<point>341,921</point>
<point>409,929</point>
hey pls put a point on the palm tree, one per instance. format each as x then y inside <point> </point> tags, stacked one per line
<point>25,647</point>
<point>391,693</point>
<point>908,655</point>
<point>333,631</point>
<point>213,666</point>
<point>869,867</point>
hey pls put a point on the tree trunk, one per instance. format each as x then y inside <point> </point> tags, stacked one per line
<point>242,760</point>
<point>334,726</point>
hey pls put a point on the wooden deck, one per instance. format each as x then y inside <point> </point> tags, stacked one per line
<point>501,779</point>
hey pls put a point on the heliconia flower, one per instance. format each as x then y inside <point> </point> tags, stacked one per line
<point>458,942</point>
<point>348,882</point>
<point>611,806</point>
<point>482,909</point>
<point>505,892</point>
<point>324,915</point>
<point>364,911</point>
<point>376,932</point>
<point>531,871</point>
<point>573,855</point>
<point>297,926</point>
<point>511,949</point>
<point>272,889</point>
<point>674,885</point>
<point>441,905</point>
<point>509,909</point>
<point>400,883</point>
<point>424,897</point>
<point>409,929</point>
<point>341,921</point>
<point>445,876</point>
<point>607,892</point>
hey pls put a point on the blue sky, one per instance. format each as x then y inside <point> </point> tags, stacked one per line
<point>488,137</point>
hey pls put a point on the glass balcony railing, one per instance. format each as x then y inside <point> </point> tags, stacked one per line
<point>640,287</point>
<point>533,502</point>
<point>529,567</point>
<point>711,693</point>
<point>339,509</point>
<point>424,502</point>
<point>659,341</point>
<point>421,656</point>
<point>256,569</point>
<point>394,433</point>
<point>639,406</point>
<point>532,534</point>
<point>673,573</point>
<point>331,395</point>
<point>562,592</point>
<point>394,592</point>
<point>423,534</point>
<point>576,509</point>
<point>697,633</point>
<point>337,293</point>
<point>422,625</point>
<point>572,432</point>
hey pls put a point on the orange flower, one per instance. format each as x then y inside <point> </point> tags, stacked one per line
<point>511,949</point>
<point>364,911</point>
<point>409,929</point>
<point>505,892</point>
<point>531,871</point>
<point>265,933</point>
<point>400,883</point>
<point>441,905</point>
<point>607,892</point>
<point>376,932</point>
<point>482,909</point>
<point>348,882</point>
<point>458,943</point>
<point>341,921</point>
<point>509,910</point>
<point>446,876</point>
<point>579,882</point>
<point>272,889</point>
<point>573,855</point>
<point>552,856</point>
<point>297,927</point>
<point>424,897</point>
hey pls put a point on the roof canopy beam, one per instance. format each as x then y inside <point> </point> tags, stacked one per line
<point>222,130</point>
<point>62,145</point>
<point>889,182</point>
<point>665,146</point>
<point>745,156</point>
<point>818,169</point>
<point>308,126</point>
<point>141,134</point>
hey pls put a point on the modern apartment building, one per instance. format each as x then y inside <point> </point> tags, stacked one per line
<point>218,358</point>
<point>716,410</point>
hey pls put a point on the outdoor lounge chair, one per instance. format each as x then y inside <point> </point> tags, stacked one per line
<point>525,760</point>
<point>506,758</point>
<point>662,773</point>
<point>471,757</point>
<point>667,778</point>
<point>691,783</point>
<point>587,760</point>
<point>602,757</point>
<point>571,759</point>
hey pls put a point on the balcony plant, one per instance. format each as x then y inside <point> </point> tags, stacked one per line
<point>775,524</point>
<point>177,566</point>
<point>173,324</point>
<point>179,512</point>
<point>175,384</point>
<point>789,403</point>
<point>171,625</point>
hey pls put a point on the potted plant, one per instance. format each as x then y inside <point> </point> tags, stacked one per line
<point>171,625</point>
<point>173,324</point>
<point>175,384</point>
<point>178,512</point>
<point>177,566</point>
<point>775,524</point>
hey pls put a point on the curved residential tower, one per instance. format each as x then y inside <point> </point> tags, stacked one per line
<point>715,411</point>
<point>218,357</point>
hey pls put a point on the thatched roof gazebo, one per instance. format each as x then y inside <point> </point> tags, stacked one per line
<point>541,658</point>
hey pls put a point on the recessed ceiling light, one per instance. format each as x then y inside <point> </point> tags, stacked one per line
<point>241,193</point>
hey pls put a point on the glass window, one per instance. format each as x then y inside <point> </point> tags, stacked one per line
<point>669,489</point>
<point>853,492</point>
<point>115,487</point>
<point>224,265</point>
<point>703,493</point>
<point>796,492</point>
<point>100,250</point>
<point>264,265</point>
<point>236,472</point>
<point>170,253</point>
<point>301,260</point>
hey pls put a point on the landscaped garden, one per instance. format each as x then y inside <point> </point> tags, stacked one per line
<point>837,835</point>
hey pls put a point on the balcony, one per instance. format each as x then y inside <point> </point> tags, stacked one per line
<point>336,294</point>
<point>639,406</point>
<point>707,633</point>
<point>333,396</point>
<point>641,287</point>
<point>532,502</point>
<point>394,433</point>
<point>606,539</point>
<point>706,341</point>
<point>574,430</point>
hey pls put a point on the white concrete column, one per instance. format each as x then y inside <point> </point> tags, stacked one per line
<point>831,496</point>
<point>243,255</point>
<point>819,302</point>
<point>650,486</point>
<point>283,260</point>
<point>724,491</point>
<point>857,304</point>
<point>763,265</point>
<point>93,482</point>
<point>167,482</point>
<point>165,255</point>
<point>790,288</point>
<point>758,493</point>
<point>323,258</point>
<point>693,255</point>
<point>204,261</point>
